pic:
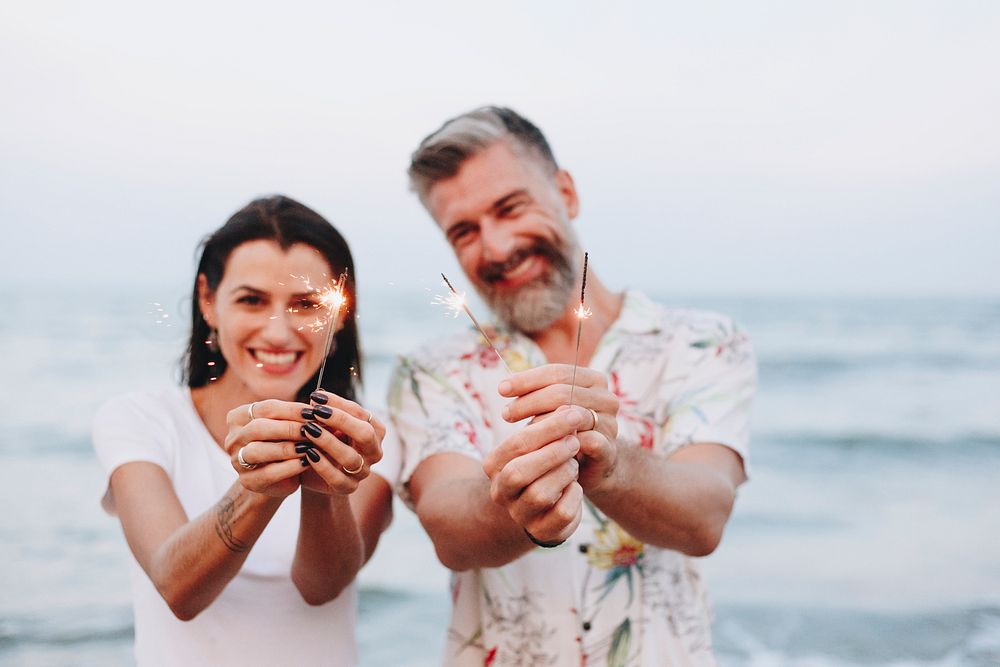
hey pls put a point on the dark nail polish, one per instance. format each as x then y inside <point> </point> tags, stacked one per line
<point>313,455</point>
<point>323,411</point>
<point>301,447</point>
<point>307,413</point>
<point>318,397</point>
<point>304,461</point>
<point>312,429</point>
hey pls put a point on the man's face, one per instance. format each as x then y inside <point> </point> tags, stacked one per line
<point>508,221</point>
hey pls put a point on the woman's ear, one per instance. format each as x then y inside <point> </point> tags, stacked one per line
<point>206,301</point>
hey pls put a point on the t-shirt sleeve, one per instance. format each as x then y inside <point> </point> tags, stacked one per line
<point>720,381</point>
<point>127,429</point>
<point>431,415</point>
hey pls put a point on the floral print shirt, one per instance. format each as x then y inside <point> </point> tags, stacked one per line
<point>603,597</point>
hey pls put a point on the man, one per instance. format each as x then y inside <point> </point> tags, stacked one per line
<point>569,527</point>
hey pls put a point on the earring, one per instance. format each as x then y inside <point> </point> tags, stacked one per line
<point>213,340</point>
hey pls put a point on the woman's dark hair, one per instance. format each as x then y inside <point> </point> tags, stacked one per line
<point>286,222</point>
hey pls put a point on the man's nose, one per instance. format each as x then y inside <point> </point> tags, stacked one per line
<point>498,241</point>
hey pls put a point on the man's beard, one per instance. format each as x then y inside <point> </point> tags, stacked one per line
<point>538,304</point>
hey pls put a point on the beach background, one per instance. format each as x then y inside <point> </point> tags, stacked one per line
<point>868,534</point>
<point>826,173</point>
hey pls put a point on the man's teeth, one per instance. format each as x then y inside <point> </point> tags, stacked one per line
<point>275,358</point>
<point>516,271</point>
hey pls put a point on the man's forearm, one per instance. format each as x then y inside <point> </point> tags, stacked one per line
<point>467,528</point>
<point>676,505</point>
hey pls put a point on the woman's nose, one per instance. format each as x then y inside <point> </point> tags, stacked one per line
<point>277,330</point>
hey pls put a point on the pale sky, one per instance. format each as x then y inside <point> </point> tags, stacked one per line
<point>835,148</point>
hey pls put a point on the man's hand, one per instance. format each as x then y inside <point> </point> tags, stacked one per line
<point>545,391</point>
<point>533,475</point>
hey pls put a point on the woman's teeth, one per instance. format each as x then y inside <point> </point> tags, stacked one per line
<point>275,358</point>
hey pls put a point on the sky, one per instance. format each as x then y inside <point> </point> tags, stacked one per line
<point>802,148</point>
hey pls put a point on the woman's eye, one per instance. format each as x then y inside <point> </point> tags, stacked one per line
<point>304,304</point>
<point>250,300</point>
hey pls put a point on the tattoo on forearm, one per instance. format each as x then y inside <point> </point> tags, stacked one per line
<point>225,516</point>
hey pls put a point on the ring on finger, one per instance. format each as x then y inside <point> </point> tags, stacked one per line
<point>356,470</point>
<point>370,415</point>
<point>596,420</point>
<point>250,411</point>
<point>243,462</point>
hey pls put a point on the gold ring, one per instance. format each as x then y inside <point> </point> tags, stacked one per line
<point>370,415</point>
<point>250,411</point>
<point>596,420</point>
<point>356,471</point>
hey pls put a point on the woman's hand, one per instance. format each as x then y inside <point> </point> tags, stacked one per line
<point>347,441</point>
<point>270,445</point>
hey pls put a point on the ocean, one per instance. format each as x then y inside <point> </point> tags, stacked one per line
<point>869,533</point>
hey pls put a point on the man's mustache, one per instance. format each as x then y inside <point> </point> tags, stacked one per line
<point>494,271</point>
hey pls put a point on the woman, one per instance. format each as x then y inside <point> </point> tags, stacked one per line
<point>245,497</point>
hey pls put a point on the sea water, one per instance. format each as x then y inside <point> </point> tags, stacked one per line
<point>869,533</point>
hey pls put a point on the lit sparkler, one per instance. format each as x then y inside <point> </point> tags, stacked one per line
<point>456,302</point>
<point>333,298</point>
<point>582,313</point>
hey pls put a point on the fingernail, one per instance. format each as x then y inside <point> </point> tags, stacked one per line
<point>318,397</point>
<point>311,429</point>
<point>304,461</point>
<point>505,387</point>
<point>572,444</point>
<point>506,412</point>
<point>323,411</point>
<point>313,454</point>
<point>301,447</point>
<point>307,413</point>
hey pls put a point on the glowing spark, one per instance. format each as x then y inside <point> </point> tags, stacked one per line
<point>456,302</point>
<point>334,299</point>
<point>582,313</point>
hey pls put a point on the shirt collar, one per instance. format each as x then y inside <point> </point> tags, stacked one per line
<point>639,315</point>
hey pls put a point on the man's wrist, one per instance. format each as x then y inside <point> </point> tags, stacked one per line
<point>539,543</point>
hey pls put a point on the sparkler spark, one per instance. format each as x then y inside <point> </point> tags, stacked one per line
<point>333,298</point>
<point>582,313</point>
<point>456,302</point>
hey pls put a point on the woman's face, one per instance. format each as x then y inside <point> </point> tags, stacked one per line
<point>267,316</point>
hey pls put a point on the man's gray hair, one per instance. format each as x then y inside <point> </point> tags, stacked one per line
<point>442,153</point>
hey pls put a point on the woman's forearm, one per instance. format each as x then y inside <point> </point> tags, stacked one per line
<point>196,562</point>
<point>330,551</point>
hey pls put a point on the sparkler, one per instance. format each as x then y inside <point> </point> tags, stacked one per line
<point>456,302</point>
<point>333,298</point>
<point>582,313</point>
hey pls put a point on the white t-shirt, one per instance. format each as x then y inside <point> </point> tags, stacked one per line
<point>260,617</point>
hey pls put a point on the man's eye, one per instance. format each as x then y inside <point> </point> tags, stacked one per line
<point>459,233</point>
<point>509,210</point>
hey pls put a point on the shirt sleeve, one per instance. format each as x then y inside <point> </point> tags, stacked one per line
<point>127,429</point>
<point>431,415</point>
<point>720,381</point>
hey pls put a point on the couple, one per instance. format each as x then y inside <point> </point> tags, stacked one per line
<point>569,528</point>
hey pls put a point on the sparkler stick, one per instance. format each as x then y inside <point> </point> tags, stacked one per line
<point>457,301</point>
<point>333,299</point>
<point>582,313</point>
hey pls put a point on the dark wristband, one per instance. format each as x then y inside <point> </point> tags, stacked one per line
<point>544,545</point>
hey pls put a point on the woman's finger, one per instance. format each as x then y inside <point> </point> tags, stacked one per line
<point>339,452</point>
<point>261,478</point>
<point>258,453</point>
<point>336,479</point>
